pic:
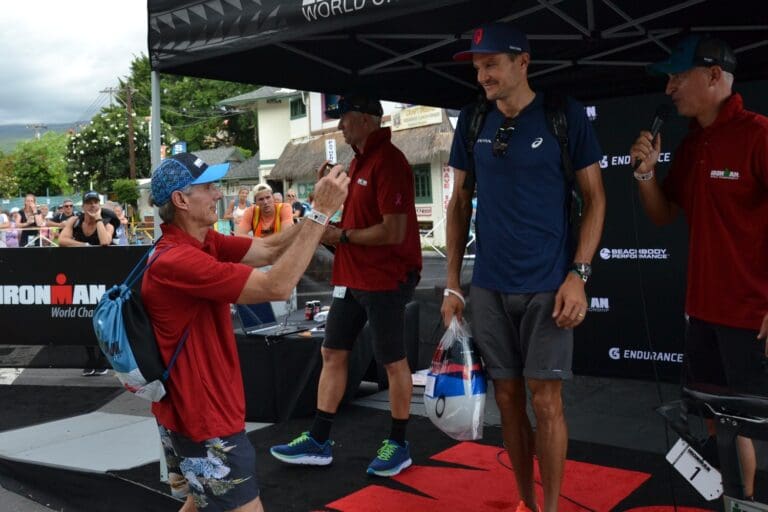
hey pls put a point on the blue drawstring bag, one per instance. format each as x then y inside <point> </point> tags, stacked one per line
<point>126,337</point>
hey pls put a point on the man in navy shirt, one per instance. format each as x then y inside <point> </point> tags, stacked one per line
<point>528,283</point>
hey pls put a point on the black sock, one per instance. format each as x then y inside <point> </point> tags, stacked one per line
<point>321,427</point>
<point>397,433</point>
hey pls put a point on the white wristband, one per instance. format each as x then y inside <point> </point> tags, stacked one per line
<point>645,176</point>
<point>318,217</point>
<point>449,291</point>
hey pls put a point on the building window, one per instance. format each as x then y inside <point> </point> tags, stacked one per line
<point>298,108</point>
<point>422,178</point>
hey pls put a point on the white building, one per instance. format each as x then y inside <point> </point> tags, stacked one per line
<point>293,130</point>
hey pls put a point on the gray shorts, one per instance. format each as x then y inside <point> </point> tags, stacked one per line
<point>384,311</point>
<point>518,337</point>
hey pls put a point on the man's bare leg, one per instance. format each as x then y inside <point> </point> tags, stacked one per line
<point>517,434</point>
<point>400,388</point>
<point>748,463</point>
<point>333,379</point>
<point>551,437</point>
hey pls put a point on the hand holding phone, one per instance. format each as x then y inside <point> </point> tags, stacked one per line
<point>325,169</point>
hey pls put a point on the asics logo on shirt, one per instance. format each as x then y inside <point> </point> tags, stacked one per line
<point>537,142</point>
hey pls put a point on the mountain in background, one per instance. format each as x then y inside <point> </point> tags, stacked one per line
<point>12,134</point>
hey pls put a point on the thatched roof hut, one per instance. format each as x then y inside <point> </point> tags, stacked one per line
<point>299,160</point>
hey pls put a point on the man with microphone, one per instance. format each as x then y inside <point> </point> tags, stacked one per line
<point>719,179</point>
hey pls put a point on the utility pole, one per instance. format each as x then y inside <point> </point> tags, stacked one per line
<point>111,91</point>
<point>131,146</point>
<point>38,127</point>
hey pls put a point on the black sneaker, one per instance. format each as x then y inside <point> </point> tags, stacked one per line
<point>88,372</point>
<point>102,371</point>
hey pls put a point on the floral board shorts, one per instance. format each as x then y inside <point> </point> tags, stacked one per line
<point>219,472</point>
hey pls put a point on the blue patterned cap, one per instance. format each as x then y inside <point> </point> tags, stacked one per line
<point>180,171</point>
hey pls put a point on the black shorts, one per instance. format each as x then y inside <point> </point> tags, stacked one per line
<point>385,312</point>
<point>220,472</point>
<point>725,356</point>
<point>518,337</point>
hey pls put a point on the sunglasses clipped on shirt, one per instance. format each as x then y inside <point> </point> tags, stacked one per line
<point>503,134</point>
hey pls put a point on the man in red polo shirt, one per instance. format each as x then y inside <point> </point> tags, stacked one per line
<point>187,292</point>
<point>719,178</point>
<point>376,268</point>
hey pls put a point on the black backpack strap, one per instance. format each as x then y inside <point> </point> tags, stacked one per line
<point>179,346</point>
<point>557,122</point>
<point>476,115</point>
<point>142,265</point>
<point>554,110</point>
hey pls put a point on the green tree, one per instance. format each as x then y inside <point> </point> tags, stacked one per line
<point>9,184</point>
<point>126,191</point>
<point>98,154</point>
<point>189,107</point>
<point>39,165</point>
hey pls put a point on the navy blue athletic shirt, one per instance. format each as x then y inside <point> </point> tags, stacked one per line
<point>521,224</point>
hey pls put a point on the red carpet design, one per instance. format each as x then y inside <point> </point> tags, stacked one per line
<point>485,485</point>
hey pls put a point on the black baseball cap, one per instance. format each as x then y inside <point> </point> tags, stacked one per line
<point>696,50</point>
<point>355,103</point>
<point>91,194</point>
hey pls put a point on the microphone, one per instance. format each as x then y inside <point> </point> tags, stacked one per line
<point>663,112</point>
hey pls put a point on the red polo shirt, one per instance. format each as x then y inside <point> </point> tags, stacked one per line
<point>192,284</point>
<point>381,184</point>
<point>719,176</point>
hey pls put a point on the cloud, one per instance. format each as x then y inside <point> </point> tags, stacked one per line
<point>58,55</point>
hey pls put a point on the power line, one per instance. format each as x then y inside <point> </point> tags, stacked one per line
<point>90,111</point>
<point>112,91</point>
<point>190,115</point>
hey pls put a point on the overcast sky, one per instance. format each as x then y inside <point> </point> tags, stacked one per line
<point>56,55</point>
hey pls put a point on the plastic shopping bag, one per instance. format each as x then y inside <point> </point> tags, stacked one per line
<point>454,395</point>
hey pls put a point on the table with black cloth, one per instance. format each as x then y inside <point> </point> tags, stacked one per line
<point>281,373</point>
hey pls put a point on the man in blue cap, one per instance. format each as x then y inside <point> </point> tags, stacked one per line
<point>528,283</point>
<point>196,274</point>
<point>719,179</point>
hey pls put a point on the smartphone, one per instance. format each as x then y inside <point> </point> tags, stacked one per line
<point>327,168</point>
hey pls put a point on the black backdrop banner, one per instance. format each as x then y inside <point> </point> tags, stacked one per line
<point>48,295</point>
<point>637,291</point>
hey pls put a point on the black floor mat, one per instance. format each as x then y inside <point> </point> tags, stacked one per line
<point>32,405</point>
<point>358,432</point>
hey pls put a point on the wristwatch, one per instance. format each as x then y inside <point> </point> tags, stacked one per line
<point>318,217</point>
<point>583,270</point>
<point>344,239</point>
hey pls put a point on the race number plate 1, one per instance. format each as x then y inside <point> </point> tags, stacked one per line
<point>697,471</point>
